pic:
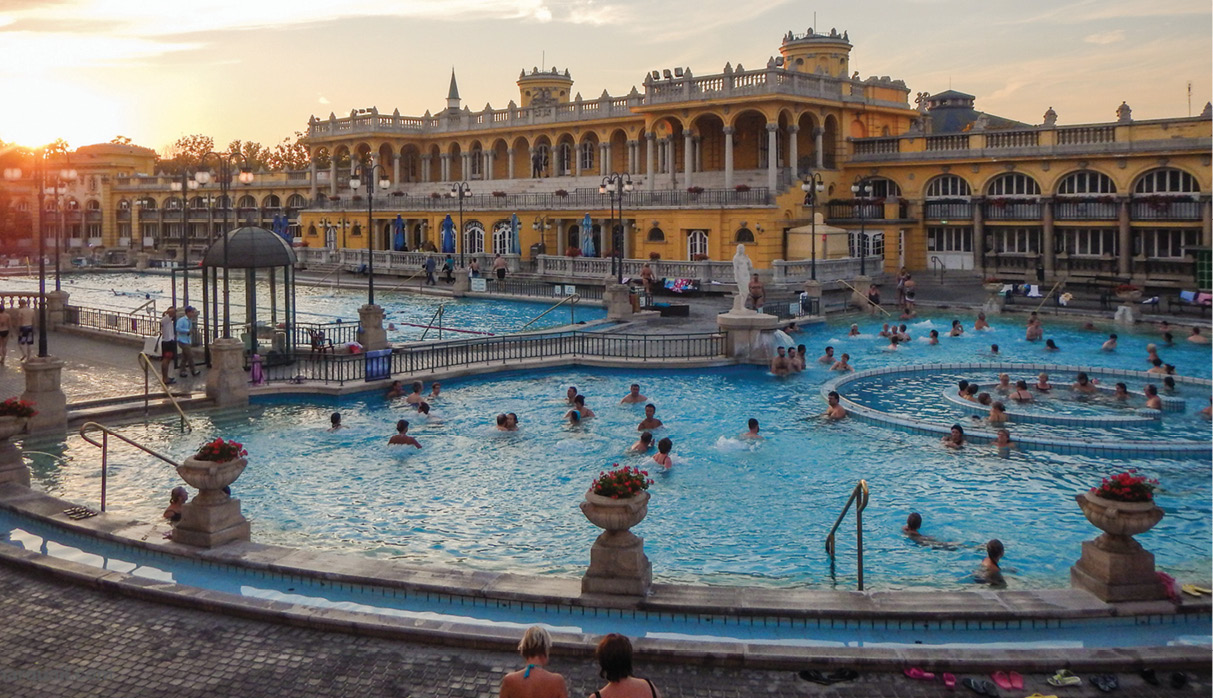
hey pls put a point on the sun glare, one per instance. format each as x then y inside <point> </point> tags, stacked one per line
<point>46,111</point>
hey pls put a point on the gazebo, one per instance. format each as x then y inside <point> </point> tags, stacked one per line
<point>260,254</point>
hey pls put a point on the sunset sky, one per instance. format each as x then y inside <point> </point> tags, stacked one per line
<point>87,70</point>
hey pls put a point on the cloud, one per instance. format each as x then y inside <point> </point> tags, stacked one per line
<point>1102,38</point>
<point>323,100</point>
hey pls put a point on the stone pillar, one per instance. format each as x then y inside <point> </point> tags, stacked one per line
<point>444,167</point>
<point>748,335</point>
<point>812,287</point>
<point>671,162</point>
<point>576,160</point>
<point>1206,222</point>
<point>688,157</point>
<point>630,166</point>
<point>43,388</point>
<point>333,177</point>
<point>604,159</point>
<point>425,168</point>
<point>461,287</point>
<point>510,163</point>
<point>395,168</point>
<point>648,160</point>
<point>1126,238</point>
<point>859,295</point>
<point>1114,567</point>
<point>1048,244</point>
<point>141,260</point>
<point>314,189</point>
<point>465,166</point>
<point>818,155</point>
<point>618,300</point>
<point>371,334</point>
<point>728,156</point>
<point>55,303</point>
<point>979,237</point>
<point>226,382</point>
<point>793,149</point>
<point>772,157</point>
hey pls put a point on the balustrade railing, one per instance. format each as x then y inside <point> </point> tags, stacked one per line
<point>947,210</point>
<point>1165,209</point>
<point>1010,210</point>
<point>937,143</point>
<point>791,271</point>
<point>1085,209</point>
<point>580,199</point>
<point>1085,135</point>
<point>1012,139</point>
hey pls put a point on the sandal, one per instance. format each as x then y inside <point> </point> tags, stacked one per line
<point>1105,683</point>
<point>982,687</point>
<point>915,673</point>
<point>1064,678</point>
<point>949,680</point>
<point>814,676</point>
<point>1016,680</point>
<point>845,674</point>
<point>1001,679</point>
<point>1150,676</point>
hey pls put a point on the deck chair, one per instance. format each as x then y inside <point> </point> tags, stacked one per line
<point>321,343</point>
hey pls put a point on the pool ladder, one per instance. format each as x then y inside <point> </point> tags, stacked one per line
<point>571,299</point>
<point>859,497</point>
<point>104,446</point>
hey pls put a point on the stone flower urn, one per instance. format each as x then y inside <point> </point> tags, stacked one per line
<point>12,466</point>
<point>1113,566</point>
<point>618,565</point>
<point>1129,296</point>
<point>212,517</point>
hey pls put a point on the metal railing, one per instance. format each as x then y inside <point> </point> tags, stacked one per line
<point>146,361</point>
<point>103,445</point>
<point>437,316</point>
<point>859,497</point>
<point>571,299</point>
<point>122,322</point>
<point>525,287</point>
<point>936,262</point>
<point>863,295</point>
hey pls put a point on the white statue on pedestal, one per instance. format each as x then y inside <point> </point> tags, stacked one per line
<point>743,270</point>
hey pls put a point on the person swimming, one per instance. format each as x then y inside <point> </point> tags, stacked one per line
<point>994,350</point>
<point>1051,346</point>
<point>1021,394</point>
<point>854,330</point>
<point>828,357</point>
<point>981,323</point>
<point>1153,401</point>
<point>1042,383</point>
<point>579,404</point>
<point>573,417</point>
<point>396,390</point>
<point>1082,384</point>
<point>955,439</point>
<point>402,435</point>
<point>842,364</point>
<point>415,397</point>
<point>835,411</point>
<point>985,399</point>
<point>502,423</point>
<point>957,329</point>
<point>963,385</point>
<point>933,338</point>
<point>1110,344</point>
<point>913,523</point>
<point>753,431</point>
<point>650,421</point>
<point>990,572</point>
<point>633,396</point>
<point>642,445</point>
<point>1003,441</point>
<point>1122,391</point>
<point>1004,384</point>
<point>571,395</point>
<point>662,457</point>
<point>511,421</point>
<point>998,413</point>
<point>335,422</point>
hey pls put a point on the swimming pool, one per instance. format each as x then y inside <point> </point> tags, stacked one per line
<point>326,303</point>
<point>730,512</point>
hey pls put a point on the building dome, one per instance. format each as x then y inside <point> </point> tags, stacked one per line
<point>251,247</point>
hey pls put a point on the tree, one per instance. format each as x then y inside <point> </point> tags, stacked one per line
<point>291,154</point>
<point>255,154</point>
<point>121,140</point>
<point>186,152</point>
<point>58,147</point>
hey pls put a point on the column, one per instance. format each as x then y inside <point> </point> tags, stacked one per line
<point>979,236</point>
<point>1123,267</point>
<point>510,163</point>
<point>312,194</point>
<point>630,165</point>
<point>445,167</point>
<point>793,150</point>
<point>576,160</point>
<point>1206,222</point>
<point>489,158</point>
<point>465,166</point>
<point>728,156</point>
<point>425,168</point>
<point>772,157</point>
<point>1047,244</point>
<point>333,177</point>
<point>396,169</point>
<point>531,162</point>
<point>648,160</point>
<point>688,155</point>
<point>818,133</point>
<point>671,163</point>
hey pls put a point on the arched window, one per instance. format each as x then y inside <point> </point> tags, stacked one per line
<point>92,205</point>
<point>745,235</point>
<point>73,205</point>
<point>50,205</point>
<point>124,205</point>
<point>697,245</point>
<point>296,201</point>
<point>197,203</point>
<point>149,204</point>
<point>656,235</point>
<point>1166,181</point>
<point>1084,183</point>
<point>246,202</point>
<point>503,238</point>
<point>883,188</point>
<point>564,159</point>
<point>311,230</point>
<point>947,186</point>
<point>271,202</point>
<point>473,237</point>
<point>477,158</point>
<point>587,155</point>
<point>1013,184</point>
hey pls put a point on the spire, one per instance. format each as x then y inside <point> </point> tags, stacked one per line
<point>452,97</point>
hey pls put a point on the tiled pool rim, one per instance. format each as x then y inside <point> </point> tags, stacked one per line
<point>1089,447</point>
<point>979,610</point>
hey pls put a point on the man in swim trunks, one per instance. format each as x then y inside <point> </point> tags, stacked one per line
<point>650,422</point>
<point>1110,345</point>
<point>1197,337</point>
<point>633,396</point>
<point>415,397</point>
<point>1084,385</point>
<point>753,431</point>
<point>25,328</point>
<point>1152,400</point>
<point>647,277</point>
<point>642,445</point>
<point>981,323</point>
<point>835,411</point>
<point>828,357</point>
<point>571,395</point>
<point>780,366</point>
<point>758,294</point>
<point>842,364</point>
<point>402,435</point>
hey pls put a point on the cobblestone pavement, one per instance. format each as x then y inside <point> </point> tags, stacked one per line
<point>59,639</point>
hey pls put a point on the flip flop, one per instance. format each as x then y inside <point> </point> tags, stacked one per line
<point>1064,678</point>
<point>814,676</point>
<point>1178,680</point>
<point>1150,676</point>
<point>982,687</point>
<point>1202,590</point>
<point>1191,590</point>
<point>949,680</point>
<point>844,674</point>
<point>915,673</point>
<point>1016,680</point>
<point>1001,679</point>
<point>1105,683</point>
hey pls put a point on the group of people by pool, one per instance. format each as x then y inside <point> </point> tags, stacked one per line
<point>613,655</point>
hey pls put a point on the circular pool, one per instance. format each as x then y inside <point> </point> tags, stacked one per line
<point>731,511</point>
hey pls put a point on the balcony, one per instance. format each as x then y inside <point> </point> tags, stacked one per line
<point>948,210</point>
<point>1086,209</point>
<point>1001,209</point>
<point>1165,208</point>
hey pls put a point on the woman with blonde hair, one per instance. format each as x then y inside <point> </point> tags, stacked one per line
<point>533,680</point>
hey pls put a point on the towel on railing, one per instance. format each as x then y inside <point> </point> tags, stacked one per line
<point>1033,291</point>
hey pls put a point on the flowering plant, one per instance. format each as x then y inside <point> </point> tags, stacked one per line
<point>435,195</point>
<point>696,189</point>
<point>623,482</point>
<point>742,187</point>
<point>1127,487</point>
<point>398,193</point>
<point>499,194</point>
<point>1127,289</point>
<point>15,407</point>
<point>220,451</point>
<point>561,193</point>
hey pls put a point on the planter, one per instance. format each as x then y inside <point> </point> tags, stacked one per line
<point>1129,296</point>
<point>211,477</point>
<point>1119,520</point>
<point>11,426</point>
<point>618,565</point>
<point>12,466</point>
<point>1113,566</point>
<point>615,515</point>
<point>212,517</point>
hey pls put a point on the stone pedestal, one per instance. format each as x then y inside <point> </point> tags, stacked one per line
<point>463,283</point>
<point>141,260</point>
<point>227,382</point>
<point>43,388</point>
<point>55,303</point>
<point>12,466</point>
<point>371,334</point>
<point>618,300</point>
<point>996,301</point>
<point>618,565</point>
<point>748,335</point>
<point>1129,310</point>
<point>1114,567</point>
<point>212,517</point>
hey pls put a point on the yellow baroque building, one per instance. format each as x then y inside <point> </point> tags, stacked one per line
<point>714,160</point>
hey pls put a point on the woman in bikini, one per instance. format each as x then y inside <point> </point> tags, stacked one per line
<point>533,680</point>
<point>614,654</point>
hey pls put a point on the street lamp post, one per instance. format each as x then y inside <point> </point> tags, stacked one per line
<point>60,190</point>
<point>461,191</point>
<point>862,190</point>
<point>368,173</point>
<point>185,186</point>
<point>542,224</point>
<point>225,160</point>
<point>615,185</point>
<point>813,185</point>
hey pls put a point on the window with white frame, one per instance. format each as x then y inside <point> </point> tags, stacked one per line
<point>697,244</point>
<point>1166,181</point>
<point>23,206</point>
<point>1089,242</point>
<point>950,239</point>
<point>1086,182</point>
<point>587,155</point>
<point>1016,240</point>
<point>875,244</point>
<point>477,157</point>
<point>503,235</point>
<point>883,188</point>
<point>564,159</point>
<point>948,186</point>
<point>296,201</point>
<point>1013,184</point>
<point>1171,243</point>
<point>473,237</point>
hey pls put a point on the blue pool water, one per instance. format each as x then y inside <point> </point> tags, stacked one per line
<point>730,512</point>
<point>1123,632</point>
<point>325,303</point>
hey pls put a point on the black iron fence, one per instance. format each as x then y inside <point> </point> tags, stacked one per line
<point>111,321</point>
<point>440,356</point>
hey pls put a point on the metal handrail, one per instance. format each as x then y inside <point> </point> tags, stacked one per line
<point>942,267</point>
<point>572,299</point>
<point>1050,294</point>
<point>864,297</point>
<point>437,314</point>
<point>406,281</point>
<point>859,496</point>
<point>104,446</point>
<point>146,361</point>
<point>145,304</point>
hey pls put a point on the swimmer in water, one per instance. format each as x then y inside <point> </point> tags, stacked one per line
<point>1151,353</point>
<point>1157,368</point>
<point>981,323</point>
<point>662,457</point>
<point>1004,384</point>
<point>1082,384</point>
<point>1003,441</point>
<point>933,339</point>
<point>842,364</point>
<point>396,390</point>
<point>854,330</point>
<point>963,385</point>
<point>893,342</point>
<point>423,409</point>
<point>633,396</point>
<point>801,359</point>
<point>335,421</point>
<point>1168,384</point>
<point>985,399</point>
<point>502,423</point>
<point>828,357</point>
<point>435,390</point>
<point>884,331</point>
<point>994,350</point>
<point>511,421</point>
<point>571,395</point>
<point>1122,392</point>
<point>1021,395</point>
<point>1051,346</point>
<point>913,523</point>
<point>753,431</point>
<point>1110,344</point>
<point>642,445</point>
<point>835,411</point>
<point>1168,339</point>
<point>780,364</point>
<point>956,438</point>
<point>573,417</point>
<point>402,435</point>
<point>1042,383</point>
<point>581,407</point>
<point>1035,330</point>
<point>902,333</point>
<point>650,421</point>
<point>415,397</point>
<point>1197,337</point>
<point>957,329</point>
<point>998,413</point>
<point>989,571</point>
<point>1153,401</point>
<point>971,393</point>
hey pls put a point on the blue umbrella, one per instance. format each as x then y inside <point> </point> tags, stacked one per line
<point>587,237</point>
<point>448,234</point>
<point>398,226</point>
<point>515,244</point>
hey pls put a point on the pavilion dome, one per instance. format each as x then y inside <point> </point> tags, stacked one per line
<point>251,247</point>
